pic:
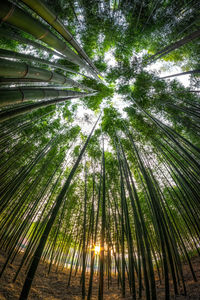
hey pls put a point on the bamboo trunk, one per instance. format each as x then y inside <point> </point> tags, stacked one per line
<point>84,237</point>
<point>8,114</point>
<point>59,200</point>
<point>23,94</point>
<point>101,263</point>
<point>194,35</point>
<point>16,55</point>
<point>22,40</point>
<point>181,74</point>
<point>12,69</point>
<point>13,15</point>
<point>41,9</point>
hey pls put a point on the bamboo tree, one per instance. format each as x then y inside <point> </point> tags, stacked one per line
<point>14,112</point>
<point>190,37</point>
<point>22,40</point>
<point>103,220</point>
<point>95,236</point>
<point>15,16</point>
<point>24,94</point>
<point>16,55</point>
<point>84,237</point>
<point>11,69</point>
<point>42,242</point>
<point>181,74</point>
<point>53,20</point>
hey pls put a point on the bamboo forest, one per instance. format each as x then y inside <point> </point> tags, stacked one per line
<point>99,149</point>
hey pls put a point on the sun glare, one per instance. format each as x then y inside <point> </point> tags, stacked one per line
<point>97,249</point>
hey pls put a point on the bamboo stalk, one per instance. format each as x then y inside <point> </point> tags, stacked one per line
<point>7,34</point>
<point>12,69</point>
<point>15,16</point>
<point>42,242</point>
<point>41,9</point>
<point>103,220</point>
<point>24,94</point>
<point>16,55</point>
<point>11,113</point>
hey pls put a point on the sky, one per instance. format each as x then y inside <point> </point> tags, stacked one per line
<point>166,68</point>
<point>161,67</point>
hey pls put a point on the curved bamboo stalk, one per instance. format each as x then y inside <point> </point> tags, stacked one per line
<point>176,45</point>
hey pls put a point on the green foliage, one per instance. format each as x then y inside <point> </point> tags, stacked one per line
<point>68,64</point>
<point>103,92</point>
<point>94,148</point>
<point>111,121</point>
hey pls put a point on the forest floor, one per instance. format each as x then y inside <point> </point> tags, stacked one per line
<point>54,285</point>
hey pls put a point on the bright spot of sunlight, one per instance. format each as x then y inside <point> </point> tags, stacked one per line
<point>97,249</point>
<point>110,58</point>
<point>119,103</point>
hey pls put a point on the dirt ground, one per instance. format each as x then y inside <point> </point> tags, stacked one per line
<point>54,285</point>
